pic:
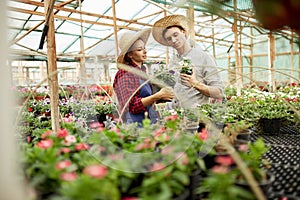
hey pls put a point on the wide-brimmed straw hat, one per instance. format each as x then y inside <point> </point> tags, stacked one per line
<point>168,21</point>
<point>127,40</point>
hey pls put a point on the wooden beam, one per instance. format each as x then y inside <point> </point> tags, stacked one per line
<point>271,58</point>
<point>238,75</point>
<point>71,19</point>
<point>52,68</point>
<point>115,29</point>
<point>190,15</point>
<point>83,75</point>
<point>83,12</point>
<point>36,26</point>
<point>292,78</point>
<point>251,55</point>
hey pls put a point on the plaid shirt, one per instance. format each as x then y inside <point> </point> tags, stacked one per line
<point>125,84</point>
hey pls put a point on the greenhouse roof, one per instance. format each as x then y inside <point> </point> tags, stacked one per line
<point>90,25</point>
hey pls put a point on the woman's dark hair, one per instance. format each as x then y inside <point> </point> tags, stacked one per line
<point>165,30</point>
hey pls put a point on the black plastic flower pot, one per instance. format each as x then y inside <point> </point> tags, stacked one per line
<point>270,126</point>
<point>195,180</point>
<point>265,185</point>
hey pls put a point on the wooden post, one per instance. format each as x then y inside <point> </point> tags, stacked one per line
<point>236,51</point>
<point>251,55</point>
<point>190,15</point>
<point>241,71</point>
<point>115,29</point>
<point>292,79</point>
<point>271,58</point>
<point>83,75</point>
<point>42,71</point>
<point>20,73</point>
<point>52,68</point>
<point>228,69</point>
<point>213,37</point>
<point>167,48</point>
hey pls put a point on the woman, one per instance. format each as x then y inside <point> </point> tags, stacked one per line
<point>133,92</point>
<point>205,81</point>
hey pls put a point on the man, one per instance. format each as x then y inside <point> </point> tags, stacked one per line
<point>204,82</point>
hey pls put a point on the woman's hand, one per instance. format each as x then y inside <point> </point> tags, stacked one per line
<point>166,93</point>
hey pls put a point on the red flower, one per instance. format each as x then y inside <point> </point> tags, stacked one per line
<point>29,109</point>
<point>63,164</point>
<point>220,169</point>
<point>69,139</point>
<point>159,132</point>
<point>130,198</point>
<point>67,119</point>
<point>224,160</point>
<point>171,117</point>
<point>28,139</point>
<point>243,147</point>
<point>157,167</point>
<point>96,125</point>
<point>183,159</point>
<point>95,171</point>
<point>203,134</point>
<point>61,133</point>
<point>44,144</point>
<point>46,134</point>
<point>68,176</point>
<point>81,146</point>
<point>64,150</point>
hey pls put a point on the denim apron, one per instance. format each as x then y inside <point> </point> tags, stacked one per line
<point>145,91</point>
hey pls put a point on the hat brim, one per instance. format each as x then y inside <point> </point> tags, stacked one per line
<point>143,35</point>
<point>168,21</point>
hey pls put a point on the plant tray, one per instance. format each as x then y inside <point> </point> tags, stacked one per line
<point>284,156</point>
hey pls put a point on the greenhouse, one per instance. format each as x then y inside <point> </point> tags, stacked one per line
<point>150,100</point>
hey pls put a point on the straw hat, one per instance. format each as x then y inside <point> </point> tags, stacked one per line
<point>127,40</point>
<point>171,20</point>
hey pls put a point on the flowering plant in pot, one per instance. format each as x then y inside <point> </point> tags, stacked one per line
<point>60,165</point>
<point>234,177</point>
<point>164,157</point>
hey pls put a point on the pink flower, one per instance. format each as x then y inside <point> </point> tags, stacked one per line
<point>116,130</point>
<point>81,146</point>
<point>61,133</point>
<point>64,150</point>
<point>182,159</point>
<point>67,119</point>
<point>95,171</point>
<point>130,198</point>
<point>243,147</point>
<point>46,134</point>
<point>220,169</point>
<point>157,167</point>
<point>45,144</point>
<point>171,117</point>
<point>69,139</point>
<point>68,176</point>
<point>224,160</point>
<point>203,135</point>
<point>95,125</point>
<point>63,164</point>
<point>159,132</point>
